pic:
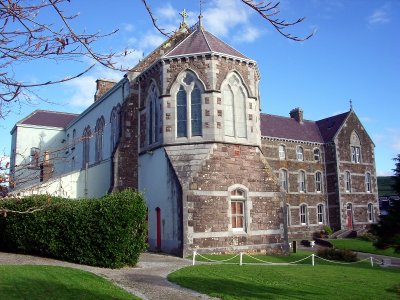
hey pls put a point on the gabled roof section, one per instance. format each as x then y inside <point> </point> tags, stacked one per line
<point>289,128</point>
<point>330,126</point>
<point>201,41</point>
<point>48,119</point>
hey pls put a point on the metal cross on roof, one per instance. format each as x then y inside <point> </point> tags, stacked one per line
<point>184,15</point>
<point>351,104</point>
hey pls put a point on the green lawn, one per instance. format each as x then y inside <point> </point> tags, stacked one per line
<point>322,281</point>
<point>48,282</point>
<point>362,246</point>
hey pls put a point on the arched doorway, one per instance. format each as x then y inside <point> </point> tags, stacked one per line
<point>349,216</point>
<point>158,229</point>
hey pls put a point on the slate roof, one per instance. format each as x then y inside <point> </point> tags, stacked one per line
<point>49,118</point>
<point>321,131</point>
<point>201,41</point>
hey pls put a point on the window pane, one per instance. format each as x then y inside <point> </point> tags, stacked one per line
<point>239,222</point>
<point>196,111</point>
<point>181,112</point>
<point>150,123</point>
<point>240,114</point>
<point>239,208</point>
<point>227,97</point>
<point>233,208</point>
<point>234,225</point>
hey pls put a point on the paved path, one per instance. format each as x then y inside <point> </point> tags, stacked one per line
<point>147,280</point>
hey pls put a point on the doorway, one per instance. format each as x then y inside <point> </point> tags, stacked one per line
<point>349,216</point>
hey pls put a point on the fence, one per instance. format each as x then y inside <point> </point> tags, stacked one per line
<point>263,262</point>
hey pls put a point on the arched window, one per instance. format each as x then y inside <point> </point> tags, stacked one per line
<point>87,133</point>
<point>115,126</point>
<point>189,106</point>
<point>370,212</point>
<point>73,139</point>
<point>234,102</point>
<point>317,155</point>
<point>283,178</point>
<point>153,115</point>
<point>282,152</point>
<point>302,181</point>
<point>318,182</point>
<point>99,130</point>
<point>355,147</point>
<point>238,199</point>
<point>348,181</point>
<point>299,153</point>
<point>368,182</point>
<point>320,214</point>
<point>303,214</point>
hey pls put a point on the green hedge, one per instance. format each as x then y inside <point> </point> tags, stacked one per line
<point>105,232</point>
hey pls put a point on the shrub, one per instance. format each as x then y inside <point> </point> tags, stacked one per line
<point>337,254</point>
<point>105,232</point>
<point>369,237</point>
<point>328,230</point>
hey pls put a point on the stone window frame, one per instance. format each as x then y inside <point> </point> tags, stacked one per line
<point>317,154</point>
<point>115,121</point>
<point>188,79</point>
<point>288,215</point>
<point>247,205</point>
<point>370,212</point>
<point>318,182</point>
<point>153,114</point>
<point>99,132</point>
<point>284,183</point>
<point>347,181</point>
<point>303,214</point>
<point>302,184</point>
<point>282,152</point>
<point>86,136</point>
<point>299,153</point>
<point>235,88</point>
<point>355,148</point>
<point>320,213</point>
<point>368,182</point>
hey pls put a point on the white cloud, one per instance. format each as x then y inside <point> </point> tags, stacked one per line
<point>167,12</point>
<point>151,41</point>
<point>248,34</point>
<point>128,27</point>
<point>380,15</point>
<point>83,91</point>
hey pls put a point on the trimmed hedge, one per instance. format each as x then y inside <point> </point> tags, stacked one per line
<point>338,254</point>
<point>106,232</point>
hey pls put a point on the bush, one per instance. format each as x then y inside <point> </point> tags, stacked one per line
<point>337,254</point>
<point>105,232</point>
<point>369,237</point>
<point>328,230</point>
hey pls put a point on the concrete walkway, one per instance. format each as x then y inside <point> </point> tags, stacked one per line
<point>148,280</point>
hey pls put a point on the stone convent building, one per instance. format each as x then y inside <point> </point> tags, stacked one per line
<point>184,127</point>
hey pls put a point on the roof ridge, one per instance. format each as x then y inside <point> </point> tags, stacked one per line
<point>227,44</point>
<point>288,118</point>
<point>205,38</point>
<point>177,45</point>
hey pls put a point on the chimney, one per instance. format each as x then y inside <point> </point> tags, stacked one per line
<point>297,114</point>
<point>102,87</point>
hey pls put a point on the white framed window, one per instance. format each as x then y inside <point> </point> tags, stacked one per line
<point>302,181</point>
<point>282,152</point>
<point>370,212</point>
<point>288,215</point>
<point>355,147</point>
<point>234,103</point>
<point>303,214</point>
<point>320,214</point>
<point>318,182</point>
<point>299,153</point>
<point>189,107</point>
<point>237,203</point>
<point>87,133</point>
<point>283,178</point>
<point>317,154</point>
<point>347,177</point>
<point>368,186</point>
<point>99,130</point>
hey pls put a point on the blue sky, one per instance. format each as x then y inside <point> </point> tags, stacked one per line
<point>354,54</point>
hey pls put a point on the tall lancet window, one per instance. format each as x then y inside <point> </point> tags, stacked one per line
<point>188,106</point>
<point>234,101</point>
<point>153,115</point>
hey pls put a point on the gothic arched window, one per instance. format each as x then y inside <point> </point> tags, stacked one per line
<point>115,126</point>
<point>153,124</point>
<point>87,133</point>
<point>355,147</point>
<point>99,129</point>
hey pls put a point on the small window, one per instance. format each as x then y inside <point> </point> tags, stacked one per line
<point>303,214</point>
<point>288,219</point>
<point>355,154</point>
<point>238,210</point>
<point>348,181</point>
<point>283,177</point>
<point>316,155</point>
<point>300,153</point>
<point>73,139</point>
<point>370,212</point>
<point>320,213</point>
<point>302,181</point>
<point>282,152</point>
<point>318,182</point>
<point>368,182</point>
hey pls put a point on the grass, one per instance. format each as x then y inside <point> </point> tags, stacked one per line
<point>323,281</point>
<point>49,282</point>
<point>362,246</point>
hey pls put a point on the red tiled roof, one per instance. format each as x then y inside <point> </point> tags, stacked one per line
<point>288,128</point>
<point>329,126</point>
<point>48,118</point>
<point>201,41</point>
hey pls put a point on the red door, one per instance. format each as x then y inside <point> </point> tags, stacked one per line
<point>349,216</point>
<point>158,212</point>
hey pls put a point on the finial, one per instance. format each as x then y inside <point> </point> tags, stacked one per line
<point>184,16</point>
<point>351,104</point>
<point>201,15</point>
